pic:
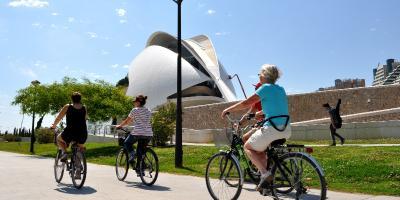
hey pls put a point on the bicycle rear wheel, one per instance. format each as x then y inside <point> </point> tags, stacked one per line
<point>149,167</point>
<point>224,178</point>
<point>58,167</point>
<point>78,169</point>
<point>121,164</point>
<point>300,177</point>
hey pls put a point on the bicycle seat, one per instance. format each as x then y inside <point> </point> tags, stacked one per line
<point>278,142</point>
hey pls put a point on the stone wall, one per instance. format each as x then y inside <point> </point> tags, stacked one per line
<point>308,106</point>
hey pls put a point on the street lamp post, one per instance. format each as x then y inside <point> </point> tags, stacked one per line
<point>178,134</point>
<point>33,139</point>
<point>240,82</point>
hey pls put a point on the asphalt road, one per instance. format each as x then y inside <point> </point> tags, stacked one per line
<point>25,177</point>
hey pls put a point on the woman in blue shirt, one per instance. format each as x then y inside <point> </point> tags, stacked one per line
<point>274,102</point>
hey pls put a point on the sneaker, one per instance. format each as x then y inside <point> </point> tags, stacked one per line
<point>265,180</point>
<point>138,172</point>
<point>342,141</point>
<point>63,157</point>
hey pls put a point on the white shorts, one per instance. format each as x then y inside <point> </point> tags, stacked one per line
<point>262,138</point>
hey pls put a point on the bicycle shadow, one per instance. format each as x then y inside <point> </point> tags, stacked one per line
<point>306,197</point>
<point>70,189</point>
<point>140,185</point>
<point>33,157</point>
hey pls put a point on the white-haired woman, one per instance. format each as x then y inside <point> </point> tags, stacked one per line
<point>274,102</point>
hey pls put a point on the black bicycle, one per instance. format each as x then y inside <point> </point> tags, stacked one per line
<point>76,166</point>
<point>296,173</point>
<point>148,166</point>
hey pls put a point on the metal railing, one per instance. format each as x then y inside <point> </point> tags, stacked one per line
<point>105,130</point>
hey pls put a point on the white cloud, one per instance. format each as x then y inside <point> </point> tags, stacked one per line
<point>211,11</point>
<point>222,33</point>
<point>92,34</point>
<point>123,21</point>
<point>128,45</point>
<point>40,64</point>
<point>37,24</point>
<point>53,26</point>
<point>55,14</point>
<point>120,12</point>
<point>114,66</point>
<point>104,52</point>
<point>126,66</point>
<point>92,75</point>
<point>71,19</point>
<point>28,72</point>
<point>28,3</point>
<point>372,29</point>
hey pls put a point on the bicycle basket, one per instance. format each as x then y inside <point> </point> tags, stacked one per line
<point>121,137</point>
<point>223,137</point>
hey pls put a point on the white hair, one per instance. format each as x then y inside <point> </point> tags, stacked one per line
<point>270,72</point>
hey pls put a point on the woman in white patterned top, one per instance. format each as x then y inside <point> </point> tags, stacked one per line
<point>142,131</point>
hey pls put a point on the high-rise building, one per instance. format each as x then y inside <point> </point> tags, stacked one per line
<point>387,74</point>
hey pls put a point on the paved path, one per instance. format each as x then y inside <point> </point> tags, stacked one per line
<point>25,177</point>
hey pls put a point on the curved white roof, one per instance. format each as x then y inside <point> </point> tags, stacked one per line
<point>153,71</point>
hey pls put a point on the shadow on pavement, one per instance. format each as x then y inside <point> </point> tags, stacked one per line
<point>140,185</point>
<point>70,189</point>
<point>32,157</point>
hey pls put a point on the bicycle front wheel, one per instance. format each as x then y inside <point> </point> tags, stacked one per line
<point>58,167</point>
<point>149,167</point>
<point>78,169</point>
<point>299,176</point>
<point>224,178</point>
<point>121,164</point>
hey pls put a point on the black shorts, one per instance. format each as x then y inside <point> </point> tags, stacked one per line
<point>69,136</point>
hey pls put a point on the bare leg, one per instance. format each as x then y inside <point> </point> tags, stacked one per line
<point>61,143</point>
<point>248,134</point>
<point>259,159</point>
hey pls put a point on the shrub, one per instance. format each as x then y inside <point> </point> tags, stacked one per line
<point>11,138</point>
<point>44,135</point>
<point>163,124</point>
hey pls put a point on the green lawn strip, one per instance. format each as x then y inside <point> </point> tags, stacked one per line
<point>370,170</point>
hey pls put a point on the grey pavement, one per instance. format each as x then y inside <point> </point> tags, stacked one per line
<point>25,177</point>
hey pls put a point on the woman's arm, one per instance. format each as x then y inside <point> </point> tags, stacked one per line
<point>242,105</point>
<point>128,120</point>
<point>60,116</point>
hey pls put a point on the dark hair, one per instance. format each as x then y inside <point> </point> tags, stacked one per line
<point>141,99</point>
<point>76,97</point>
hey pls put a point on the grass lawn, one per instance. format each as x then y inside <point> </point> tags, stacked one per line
<point>371,170</point>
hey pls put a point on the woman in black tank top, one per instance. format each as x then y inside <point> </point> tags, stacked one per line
<point>76,129</point>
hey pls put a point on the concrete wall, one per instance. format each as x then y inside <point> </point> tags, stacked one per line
<point>308,106</point>
<point>355,130</point>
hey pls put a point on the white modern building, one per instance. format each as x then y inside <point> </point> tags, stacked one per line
<point>154,72</point>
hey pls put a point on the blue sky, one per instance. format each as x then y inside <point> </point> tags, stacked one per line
<point>312,41</point>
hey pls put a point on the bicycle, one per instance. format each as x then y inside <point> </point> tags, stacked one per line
<point>76,165</point>
<point>296,173</point>
<point>148,167</point>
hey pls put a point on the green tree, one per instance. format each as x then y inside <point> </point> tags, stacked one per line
<point>102,99</point>
<point>163,124</point>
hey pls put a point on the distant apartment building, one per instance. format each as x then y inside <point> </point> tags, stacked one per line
<point>387,74</point>
<point>345,83</point>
